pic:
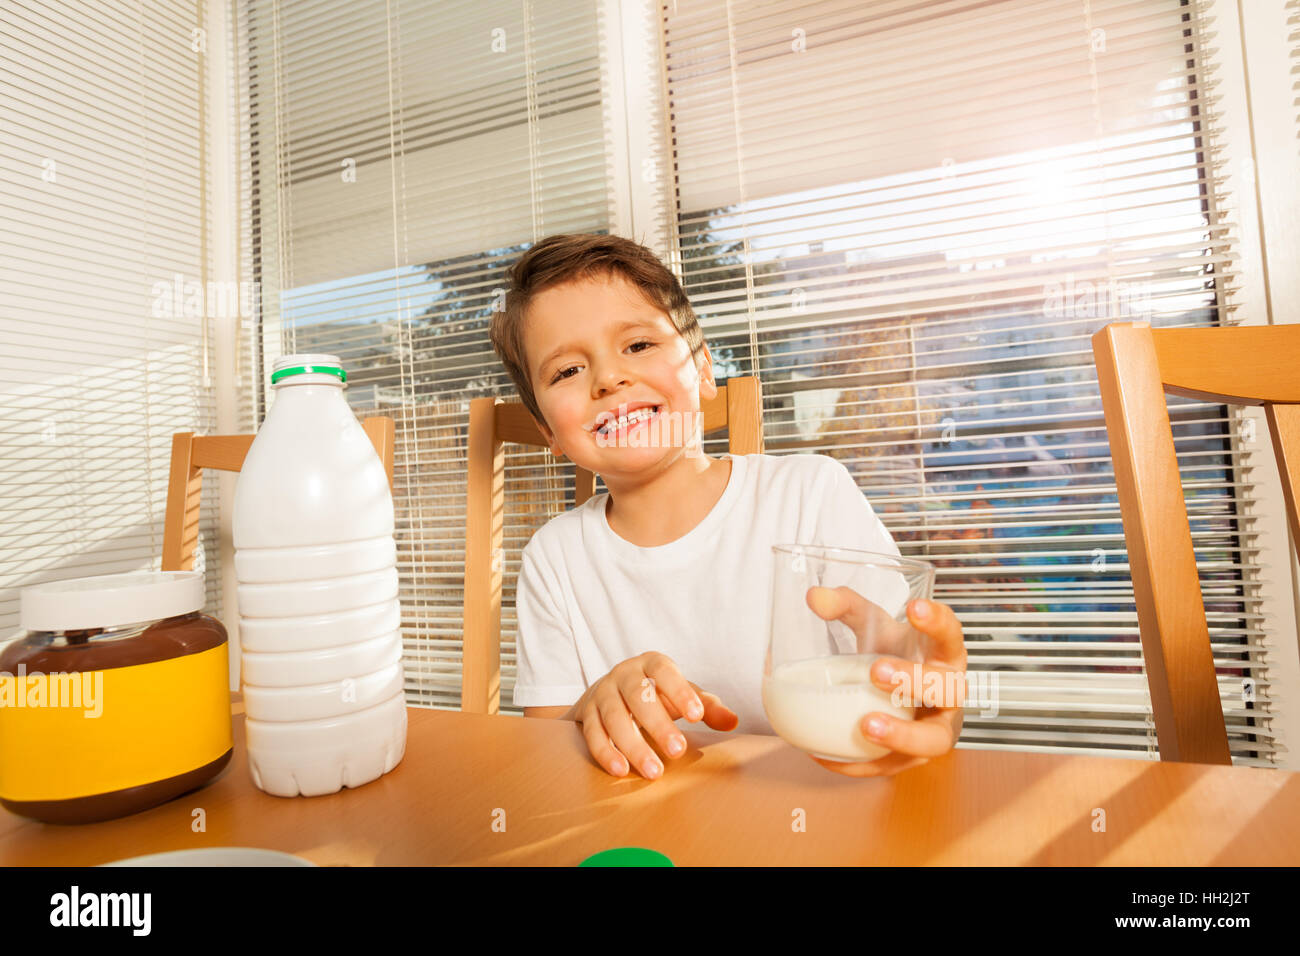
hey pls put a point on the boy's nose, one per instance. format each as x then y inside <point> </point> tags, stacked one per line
<point>609,381</point>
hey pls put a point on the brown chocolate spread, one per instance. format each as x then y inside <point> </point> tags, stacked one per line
<point>163,640</point>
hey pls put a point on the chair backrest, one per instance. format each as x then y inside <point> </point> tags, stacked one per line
<point>192,453</point>
<point>1136,366</point>
<point>738,407</point>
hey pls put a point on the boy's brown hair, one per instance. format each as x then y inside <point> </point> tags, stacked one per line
<point>566,258</point>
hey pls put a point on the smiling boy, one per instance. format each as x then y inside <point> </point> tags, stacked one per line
<point>667,575</point>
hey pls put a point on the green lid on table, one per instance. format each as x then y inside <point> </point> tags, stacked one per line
<point>627,856</point>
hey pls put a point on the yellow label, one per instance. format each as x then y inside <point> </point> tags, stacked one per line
<point>75,735</point>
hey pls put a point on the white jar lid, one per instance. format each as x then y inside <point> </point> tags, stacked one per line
<point>110,600</point>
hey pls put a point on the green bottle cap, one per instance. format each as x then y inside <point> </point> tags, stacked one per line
<point>627,856</point>
<point>334,370</point>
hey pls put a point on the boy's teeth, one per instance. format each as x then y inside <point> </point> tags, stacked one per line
<point>636,416</point>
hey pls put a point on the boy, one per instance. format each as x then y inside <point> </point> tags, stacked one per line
<point>669,574</point>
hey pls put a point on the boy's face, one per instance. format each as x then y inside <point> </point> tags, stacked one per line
<point>584,366</point>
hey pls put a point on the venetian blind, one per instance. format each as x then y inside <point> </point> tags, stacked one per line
<point>1293,35</point>
<point>402,156</point>
<point>104,340</point>
<point>908,218</point>
<point>249,382</point>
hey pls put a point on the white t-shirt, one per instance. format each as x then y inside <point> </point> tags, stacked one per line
<point>587,599</point>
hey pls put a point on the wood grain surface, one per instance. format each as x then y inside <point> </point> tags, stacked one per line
<point>730,800</point>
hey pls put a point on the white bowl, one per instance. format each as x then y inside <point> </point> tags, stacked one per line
<point>216,856</point>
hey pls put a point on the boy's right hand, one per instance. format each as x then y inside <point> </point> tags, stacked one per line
<point>646,690</point>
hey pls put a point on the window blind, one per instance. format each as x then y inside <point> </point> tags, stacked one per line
<point>1293,34</point>
<point>248,381</point>
<point>104,335</point>
<point>401,156</point>
<point>908,219</point>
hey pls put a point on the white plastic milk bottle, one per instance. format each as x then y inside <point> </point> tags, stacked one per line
<point>319,619</point>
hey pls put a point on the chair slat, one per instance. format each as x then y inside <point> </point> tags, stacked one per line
<point>222,452</point>
<point>192,453</point>
<point>1136,368</point>
<point>184,490</point>
<point>744,405</point>
<point>514,424</point>
<point>484,511</point>
<point>381,431</point>
<point>1284,426</point>
<point>1252,365</point>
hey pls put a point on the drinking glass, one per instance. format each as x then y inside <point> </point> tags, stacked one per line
<point>817,677</point>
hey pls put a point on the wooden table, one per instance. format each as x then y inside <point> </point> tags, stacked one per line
<point>730,800</point>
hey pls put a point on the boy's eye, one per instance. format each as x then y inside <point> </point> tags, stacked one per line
<point>562,373</point>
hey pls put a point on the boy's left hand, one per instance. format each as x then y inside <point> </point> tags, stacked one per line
<point>935,729</point>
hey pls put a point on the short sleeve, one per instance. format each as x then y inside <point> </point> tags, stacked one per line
<point>847,520</point>
<point>548,673</point>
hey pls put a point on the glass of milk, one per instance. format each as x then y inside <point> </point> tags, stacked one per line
<point>817,677</point>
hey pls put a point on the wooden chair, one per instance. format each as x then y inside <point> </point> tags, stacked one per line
<point>192,453</point>
<point>1136,366</point>
<point>738,407</point>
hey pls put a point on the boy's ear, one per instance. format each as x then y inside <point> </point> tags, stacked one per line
<point>708,387</point>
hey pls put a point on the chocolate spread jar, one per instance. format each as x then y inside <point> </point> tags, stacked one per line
<point>116,697</point>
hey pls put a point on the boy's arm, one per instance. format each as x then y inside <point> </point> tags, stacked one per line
<point>546,656</point>
<point>560,711</point>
